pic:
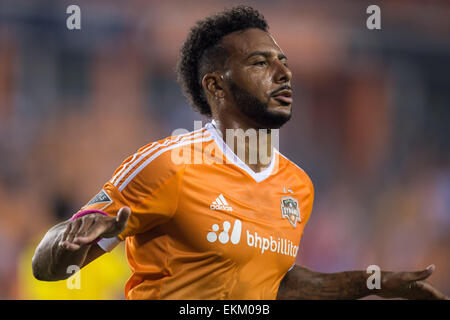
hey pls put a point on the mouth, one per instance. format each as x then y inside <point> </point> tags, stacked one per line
<point>283,96</point>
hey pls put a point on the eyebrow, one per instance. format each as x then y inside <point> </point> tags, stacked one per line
<point>266,54</point>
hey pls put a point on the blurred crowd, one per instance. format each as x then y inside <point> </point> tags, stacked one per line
<point>369,126</point>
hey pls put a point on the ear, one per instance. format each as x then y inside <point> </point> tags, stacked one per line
<point>214,85</point>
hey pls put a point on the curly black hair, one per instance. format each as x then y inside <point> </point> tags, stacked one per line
<point>202,51</point>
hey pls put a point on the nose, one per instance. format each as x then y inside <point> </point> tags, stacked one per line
<point>283,74</point>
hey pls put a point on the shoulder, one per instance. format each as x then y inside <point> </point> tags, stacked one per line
<point>296,170</point>
<point>157,161</point>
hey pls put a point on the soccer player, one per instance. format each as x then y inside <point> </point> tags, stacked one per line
<point>223,229</point>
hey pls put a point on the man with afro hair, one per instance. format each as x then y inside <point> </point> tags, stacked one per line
<point>229,228</point>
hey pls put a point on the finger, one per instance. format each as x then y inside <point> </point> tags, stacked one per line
<point>119,224</point>
<point>422,290</point>
<point>73,230</point>
<point>93,233</point>
<point>70,246</point>
<point>84,228</point>
<point>66,232</point>
<point>66,244</point>
<point>419,275</point>
<point>122,216</point>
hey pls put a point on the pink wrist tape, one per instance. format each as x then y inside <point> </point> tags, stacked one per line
<point>86,212</point>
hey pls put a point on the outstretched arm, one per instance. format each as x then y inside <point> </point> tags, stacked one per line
<point>68,243</point>
<point>302,283</point>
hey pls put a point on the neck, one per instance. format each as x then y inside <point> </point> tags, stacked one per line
<point>251,144</point>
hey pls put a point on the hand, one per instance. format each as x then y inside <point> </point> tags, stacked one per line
<point>409,285</point>
<point>86,229</point>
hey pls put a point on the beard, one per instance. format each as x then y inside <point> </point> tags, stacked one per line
<point>256,109</point>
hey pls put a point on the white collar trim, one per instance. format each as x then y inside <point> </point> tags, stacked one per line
<point>233,158</point>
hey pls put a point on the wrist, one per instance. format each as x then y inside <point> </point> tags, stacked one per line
<point>384,291</point>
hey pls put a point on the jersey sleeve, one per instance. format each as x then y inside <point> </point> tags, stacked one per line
<point>148,183</point>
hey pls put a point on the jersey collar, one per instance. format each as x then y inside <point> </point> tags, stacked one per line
<point>233,158</point>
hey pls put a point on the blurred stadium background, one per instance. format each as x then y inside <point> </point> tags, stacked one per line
<point>370,125</point>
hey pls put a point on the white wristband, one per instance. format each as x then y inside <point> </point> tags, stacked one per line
<point>107,244</point>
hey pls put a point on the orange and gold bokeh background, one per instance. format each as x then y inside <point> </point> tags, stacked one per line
<point>370,125</point>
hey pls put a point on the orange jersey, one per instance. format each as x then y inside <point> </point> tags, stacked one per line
<point>206,229</point>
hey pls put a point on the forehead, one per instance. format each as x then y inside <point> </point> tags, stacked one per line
<point>240,44</point>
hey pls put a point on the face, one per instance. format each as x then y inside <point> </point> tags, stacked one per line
<point>258,78</point>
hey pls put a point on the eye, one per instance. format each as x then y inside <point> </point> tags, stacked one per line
<point>259,63</point>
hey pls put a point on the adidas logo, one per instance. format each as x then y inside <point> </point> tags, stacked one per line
<point>220,204</point>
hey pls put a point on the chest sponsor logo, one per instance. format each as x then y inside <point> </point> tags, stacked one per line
<point>224,236</point>
<point>290,210</point>
<point>277,245</point>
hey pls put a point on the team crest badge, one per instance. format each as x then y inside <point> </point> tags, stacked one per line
<point>290,210</point>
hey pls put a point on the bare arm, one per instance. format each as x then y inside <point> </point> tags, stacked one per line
<point>67,244</point>
<point>302,283</point>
